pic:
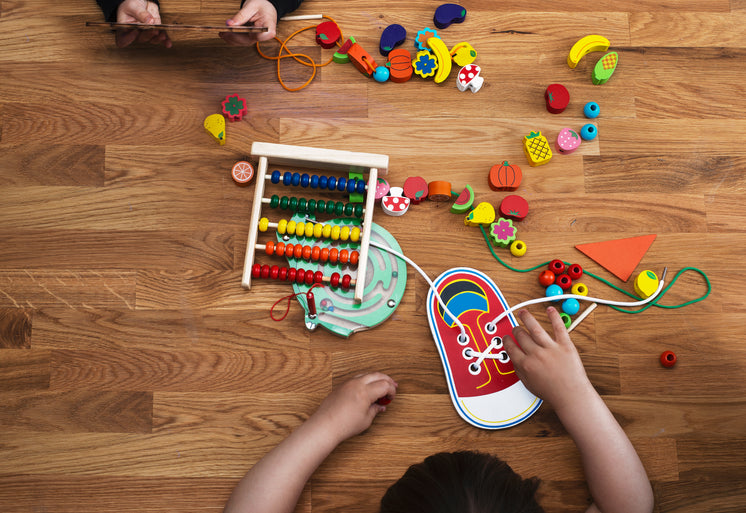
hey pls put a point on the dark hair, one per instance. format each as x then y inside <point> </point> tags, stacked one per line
<point>461,482</point>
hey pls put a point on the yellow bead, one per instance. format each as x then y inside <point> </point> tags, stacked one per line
<point>318,229</point>
<point>263,224</point>
<point>345,233</point>
<point>291,227</point>
<point>300,229</point>
<point>579,289</point>
<point>309,229</point>
<point>355,234</point>
<point>518,248</point>
<point>335,232</point>
<point>327,231</point>
<point>282,226</point>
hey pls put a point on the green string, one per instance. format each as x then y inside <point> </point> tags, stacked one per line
<point>654,302</point>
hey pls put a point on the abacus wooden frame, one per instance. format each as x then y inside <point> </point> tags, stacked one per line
<point>318,158</point>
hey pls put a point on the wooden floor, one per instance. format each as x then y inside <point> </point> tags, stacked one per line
<point>137,375</point>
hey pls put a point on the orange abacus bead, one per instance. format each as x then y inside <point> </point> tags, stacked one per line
<point>307,252</point>
<point>354,256</point>
<point>324,255</point>
<point>269,248</point>
<point>289,251</point>
<point>344,255</point>
<point>298,251</point>
<point>333,255</point>
<point>315,253</point>
<point>280,249</point>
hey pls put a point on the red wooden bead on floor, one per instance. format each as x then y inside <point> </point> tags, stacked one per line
<point>557,266</point>
<point>564,281</point>
<point>575,271</point>
<point>546,278</point>
<point>668,359</point>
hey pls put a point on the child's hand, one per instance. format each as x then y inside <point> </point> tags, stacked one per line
<point>262,14</point>
<point>350,409</point>
<point>140,11</point>
<point>549,367</point>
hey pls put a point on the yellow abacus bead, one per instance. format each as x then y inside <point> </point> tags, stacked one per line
<point>579,289</point>
<point>282,226</point>
<point>318,229</point>
<point>345,233</point>
<point>335,232</point>
<point>518,248</point>
<point>309,230</point>
<point>327,231</point>
<point>263,224</point>
<point>300,229</point>
<point>355,235</point>
<point>291,227</point>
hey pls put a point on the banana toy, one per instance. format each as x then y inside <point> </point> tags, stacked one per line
<point>440,50</point>
<point>586,45</point>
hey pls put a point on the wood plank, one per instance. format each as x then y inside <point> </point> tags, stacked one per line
<point>24,370</point>
<point>15,328</point>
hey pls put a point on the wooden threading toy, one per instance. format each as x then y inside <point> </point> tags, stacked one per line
<point>327,160</point>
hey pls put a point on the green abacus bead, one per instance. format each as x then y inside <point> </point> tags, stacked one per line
<point>359,210</point>
<point>302,205</point>
<point>294,204</point>
<point>311,207</point>
<point>349,209</point>
<point>339,208</point>
<point>320,206</point>
<point>284,202</point>
<point>274,201</point>
<point>329,207</point>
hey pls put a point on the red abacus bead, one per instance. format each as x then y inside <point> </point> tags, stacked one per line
<point>346,281</point>
<point>318,277</point>
<point>269,248</point>
<point>344,255</point>
<point>307,252</point>
<point>289,251</point>
<point>309,278</point>
<point>283,273</point>
<point>315,253</point>
<point>333,255</point>
<point>300,276</point>
<point>546,278</point>
<point>298,251</point>
<point>563,281</point>
<point>334,280</point>
<point>557,266</point>
<point>575,271</point>
<point>265,271</point>
<point>324,255</point>
<point>354,257</point>
<point>668,359</point>
<point>280,249</point>
<point>291,274</point>
<point>256,270</point>
<point>274,272</point>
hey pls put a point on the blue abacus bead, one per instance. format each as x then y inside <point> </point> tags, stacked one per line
<point>341,183</point>
<point>304,180</point>
<point>331,183</point>
<point>351,185</point>
<point>588,132</point>
<point>591,110</point>
<point>296,178</point>
<point>275,176</point>
<point>322,182</point>
<point>360,187</point>
<point>287,178</point>
<point>381,74</point>
<point>571,306</point>
<point>554,290</point>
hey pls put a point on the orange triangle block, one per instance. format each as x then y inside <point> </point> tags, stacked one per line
<point>619,257</point>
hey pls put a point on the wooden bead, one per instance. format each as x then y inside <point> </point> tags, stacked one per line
<point>571,306</point>
<point>557,266</point>
<point>269,248</point>
<point>563,281</point>
<point>575,271</point>
<point>518,248</point>
<point>579,289</point>
<point>668,359</point>
<point>546,278</point>
<point>439,191</point>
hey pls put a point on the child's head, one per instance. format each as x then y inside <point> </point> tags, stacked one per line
<point>463,482</point>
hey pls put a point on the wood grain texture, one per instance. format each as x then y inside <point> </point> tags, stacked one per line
<point>137,375</point>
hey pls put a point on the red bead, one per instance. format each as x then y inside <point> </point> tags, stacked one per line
<point>265,271</point>
<point>334,280</point>
<point>256,270</point>
<point>283,273</point>
<point>318,277</point>
<point>546,278</point>
<point>309,278</point>
<point>291,274</point>
<point>346,281</point>
<point>668,359</point>
<point>383,401</point>
<point>274,272</point>
<point>563,281</point>
<point>575,271</point>
<point>557,266</point>
<point>300,276</point>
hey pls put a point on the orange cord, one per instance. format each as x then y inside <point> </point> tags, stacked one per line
<point>297,56</point>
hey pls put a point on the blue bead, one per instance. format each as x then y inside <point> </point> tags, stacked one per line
<point>322,182</point>
<point>287,178</point>
<point>351,185</point>
<point>381,74</point>
<point>360,186</point>
<point>591,110</point>
<point>341,183</point>
<point>554,290</point>
<point>304,180</point>
<point>331,183</point>
<point>275,176</point>
<point>314,181</point>
<point>588,132</point>
<point>571,306</point>
<point>296,178</point>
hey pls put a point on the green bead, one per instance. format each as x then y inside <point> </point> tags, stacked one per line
<point>566,319</point>
<point>284,202</point>
<point>329,207</point>
<point>320,206</point>
<point>339,208</point>
<point>294,204</point>
<point>302,205</point>
<point>349,209</point>
<point>311,208</point>
<point>359,210</point>
<point>274,201</point>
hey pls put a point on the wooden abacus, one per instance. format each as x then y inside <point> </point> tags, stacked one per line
<point>327,160</point>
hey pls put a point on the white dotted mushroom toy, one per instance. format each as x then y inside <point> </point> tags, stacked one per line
<point>395,203</point>
<point>468,78</point>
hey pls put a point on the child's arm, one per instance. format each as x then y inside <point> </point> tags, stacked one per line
<point>551,368</point>
<point>274,484</point>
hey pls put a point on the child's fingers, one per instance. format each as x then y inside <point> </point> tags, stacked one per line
<point>381,388</point>
<point>538,334</point>
<point>559,328</point>
<point>515,352</point>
